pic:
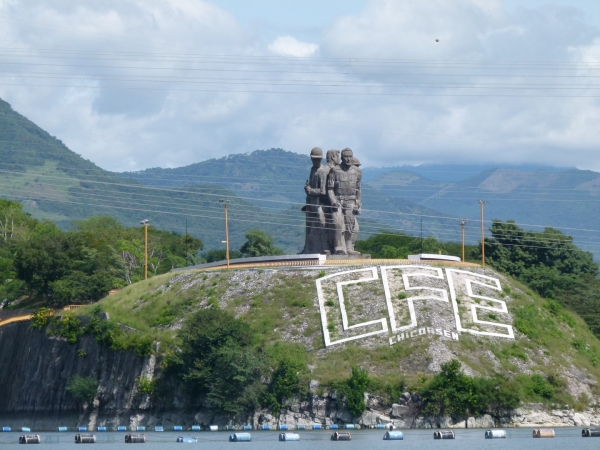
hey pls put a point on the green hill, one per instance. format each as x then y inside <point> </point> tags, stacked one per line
<point>284,309</point>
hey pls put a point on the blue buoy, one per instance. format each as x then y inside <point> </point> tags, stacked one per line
<point>316,427</point>
<point>283,427</point>
<point>195,427</point>
<point>25,429</point>
<point>121,428</point>
<point>140,428</point>
<point>101,428</point>
<point>333,426</point>
<point>177,428</point>
<point>240,437</point>
<point>158,428</point>
<point>6,429</point>
<point>62,428</point>
<point>186,440</point>
<point>265,427</point>
<point>393,436</point>
<point>301,427</point>
<point>81,428</point>
<point>381,426</point>
<point>247,427</point>
<point>349,426</point>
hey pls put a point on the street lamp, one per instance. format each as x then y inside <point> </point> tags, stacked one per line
<point>462,225</point>
<point>145,222</point>
<point>226,232</point>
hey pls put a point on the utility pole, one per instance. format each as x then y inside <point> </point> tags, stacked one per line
<point>186,243</point>
<point>145,222</point>
<point>226,232</point>
<point>462,225</point>
<point>421,235</point>
<point>481,203</point>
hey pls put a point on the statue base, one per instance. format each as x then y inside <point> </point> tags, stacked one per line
<point>348,256</point>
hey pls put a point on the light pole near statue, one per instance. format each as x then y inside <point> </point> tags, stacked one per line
<point>145,222</point>
<point>226,232</point>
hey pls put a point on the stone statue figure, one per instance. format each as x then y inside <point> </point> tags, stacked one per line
<point>344,195</point>
<point>317,236</point>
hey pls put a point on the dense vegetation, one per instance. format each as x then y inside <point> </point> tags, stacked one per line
<point>551,264</point>
<point>41,263</point>
<point>398,245</point>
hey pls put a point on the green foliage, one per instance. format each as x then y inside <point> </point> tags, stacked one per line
<point>453,393</point>
<point>217,360</point>
<point>259,243</point>
<point>68,327</point>
<point>145,385</point>
<point>112,335</point>
<point>550,264</point>
<point>83,388</point>
<point>287,380</point>
<point>41,317</point>
<point>397,245</point>
<point>355,393</point>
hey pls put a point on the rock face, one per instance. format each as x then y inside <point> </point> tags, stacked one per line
<point>36,370</point>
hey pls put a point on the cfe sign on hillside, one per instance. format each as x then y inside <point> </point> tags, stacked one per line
<point>407,301</point>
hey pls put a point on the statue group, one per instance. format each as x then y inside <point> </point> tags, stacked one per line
<point>333,200</point>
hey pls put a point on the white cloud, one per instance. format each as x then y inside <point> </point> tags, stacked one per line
<point>176,82</point>
<point>290,46</point>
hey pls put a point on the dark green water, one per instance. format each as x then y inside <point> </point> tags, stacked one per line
<point>517,439</point>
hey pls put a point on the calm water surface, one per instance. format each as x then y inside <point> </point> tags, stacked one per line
<point>516,439</point>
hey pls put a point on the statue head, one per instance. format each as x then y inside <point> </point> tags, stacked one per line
<point>333,156</point>
<point>316,154</point>
<point>347,157</point>
<point>355,162</point>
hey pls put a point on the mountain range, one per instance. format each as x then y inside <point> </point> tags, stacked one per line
<point>264,189</point>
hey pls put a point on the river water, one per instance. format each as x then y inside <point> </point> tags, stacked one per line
<point>516,439</point>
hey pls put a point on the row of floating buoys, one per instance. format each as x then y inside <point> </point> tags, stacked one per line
<point>85,439</point>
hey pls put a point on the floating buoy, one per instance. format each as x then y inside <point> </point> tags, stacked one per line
<point>177,428</point>
<point>265,427</point>
<point>25,429</point>
<point>135,438</point>
<point>301,427</point>
<point>6,429</point>
<point>85,439</point>
<point>214,428</point>
<point>101,428</point>
<point>62,429</point>
<point>121,428</point>
<point>140,428</point>
<point>349,426</point>
<point>543,433</point>
<point>333,426</point>
<point>495,434</point>
<point>195,427</point>
<point>240,437</point>
<point>444,434</point>
<point>283,427</point>
<point>158,428</point>
<point>590,432</point>
<point>29,439</point>
<point>186,440</point>
<point>316,426</point>
<point>81,428</point>
<point>393,436</point>
<point>247,427</point>
<point>284,437</point>
<point>341,436</point>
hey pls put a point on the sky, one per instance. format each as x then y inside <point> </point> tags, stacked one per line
<point>132,84</point>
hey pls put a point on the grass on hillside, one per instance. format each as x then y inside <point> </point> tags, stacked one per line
<point>282,306</point>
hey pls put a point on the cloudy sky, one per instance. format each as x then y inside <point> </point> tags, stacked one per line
<point>131,84</point>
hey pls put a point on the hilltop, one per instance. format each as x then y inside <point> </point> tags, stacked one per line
<point>283,306</point>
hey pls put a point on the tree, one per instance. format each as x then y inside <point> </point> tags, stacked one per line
<point>355,393</point>
<point>217,360</point>
<point>450,392</point>
<point>83,389</point>
<point>259,243</point>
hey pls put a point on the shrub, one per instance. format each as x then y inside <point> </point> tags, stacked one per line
<point>355,392</point>
<point>41,317</point>
<point>83,388</point>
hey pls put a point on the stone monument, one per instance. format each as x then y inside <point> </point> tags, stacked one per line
<point>333,200</point>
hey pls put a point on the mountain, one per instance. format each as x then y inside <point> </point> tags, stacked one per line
<point>264,190</point>
<point>564,199</point>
